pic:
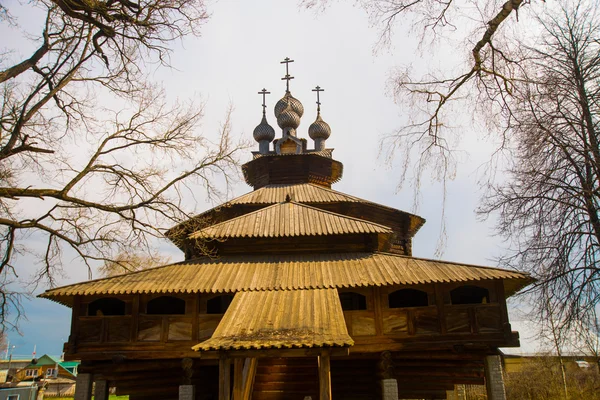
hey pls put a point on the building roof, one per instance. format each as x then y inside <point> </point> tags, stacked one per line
<point>289,219</point>
<point>44,360</point>
<point>307,193</point>
<point>281,319</point>
<point>288,272</point>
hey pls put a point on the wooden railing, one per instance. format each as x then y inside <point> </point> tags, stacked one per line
<point>414,321</point>
<point>150,328</point>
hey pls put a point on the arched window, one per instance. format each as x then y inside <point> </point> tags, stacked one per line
<point>408,298</point>
<point>470,294</point>
<point>353,301</point>
<point>106,306</point>
<point>166,305</point>
<point>219,304</point>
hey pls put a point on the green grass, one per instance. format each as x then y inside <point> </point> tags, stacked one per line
<point>111,397</point>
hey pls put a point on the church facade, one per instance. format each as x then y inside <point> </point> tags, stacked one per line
<point>292,291</point>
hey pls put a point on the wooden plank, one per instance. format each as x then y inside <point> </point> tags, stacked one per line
<point>224,378</point>
<point>195,301</point>
<point>378,308</point>
<point>501,298</point>
<point>439,300</point>
<point>270,353</point>
<point>249,375</point>
<point>238,378</point>
<point>135,317</point>
<point>74,338</point>
<point>324,375</point>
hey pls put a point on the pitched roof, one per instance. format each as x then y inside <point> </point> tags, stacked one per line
<point>289,219</point>
<point>307,193</point>
<point>281,318</point>
<point>287,272</point>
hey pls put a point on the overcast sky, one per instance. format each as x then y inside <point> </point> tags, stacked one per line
<point>239,53</point>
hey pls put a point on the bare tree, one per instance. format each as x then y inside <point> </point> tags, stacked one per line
<point>487,77</point>
<point>549,204</point>
<point>130,262</point>
<point>92,156</point>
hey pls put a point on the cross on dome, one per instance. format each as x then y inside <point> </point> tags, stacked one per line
<point>264,96</point>
<point>318,90</point>
<point>287,76</point>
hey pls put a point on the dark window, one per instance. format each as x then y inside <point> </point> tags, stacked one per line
<point>470,295</point>
<point>353,301</point>
<point>408,298</point>
<point>166,305</point>
<point>218,305</point>
<point>107,306</point>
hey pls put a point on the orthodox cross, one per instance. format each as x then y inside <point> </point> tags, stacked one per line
<point>287,76</point>
<point>264,94</point>
<point>318,89</point>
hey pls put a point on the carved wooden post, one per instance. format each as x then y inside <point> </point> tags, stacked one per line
<point>325,375</point>
<point>389,384</point>
<point>494,379</point>
<point>187,391</point>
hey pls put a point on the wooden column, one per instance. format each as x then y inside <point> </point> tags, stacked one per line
<point>389,384</point>
<point>224,378</point>
<point>83,387</point>
<point>238,378</point>
<point>325,375</point>
<point>248,376</point>
<point>135,317</point>
<point>187,391</point>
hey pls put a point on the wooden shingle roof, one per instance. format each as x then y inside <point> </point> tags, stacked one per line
<point>288,272</point>
<point>289,219</point>
<point>281,319</point>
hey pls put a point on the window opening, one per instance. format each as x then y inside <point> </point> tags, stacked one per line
<point>219,304</point>
<point>106,306</point>
<point>469,294</point>
<point>408,298</point>
<point>166,305</point>
<point>352,301</point>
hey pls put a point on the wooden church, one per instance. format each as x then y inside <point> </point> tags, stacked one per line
<point>292,291</point>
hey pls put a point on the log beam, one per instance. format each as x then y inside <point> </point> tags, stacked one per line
<point>325,375</point>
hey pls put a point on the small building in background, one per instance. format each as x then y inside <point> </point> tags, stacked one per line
<point>48,367</point>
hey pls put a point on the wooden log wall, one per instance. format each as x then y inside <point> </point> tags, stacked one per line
<point>439,324</point>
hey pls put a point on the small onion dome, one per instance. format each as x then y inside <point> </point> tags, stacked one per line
<point>288,119</point>
<point>319,129</point>
<point>292,102</point>
<point>264,131</point>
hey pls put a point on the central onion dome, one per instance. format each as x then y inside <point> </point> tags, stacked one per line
<point>288,112</point>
